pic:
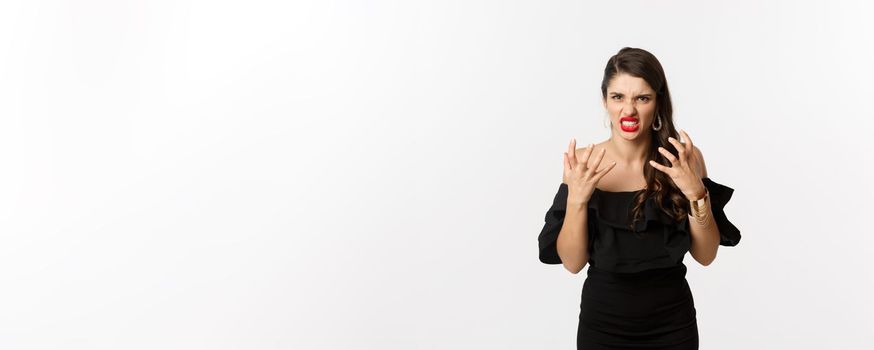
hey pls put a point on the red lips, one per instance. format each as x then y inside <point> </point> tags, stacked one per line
<point>632,128</point>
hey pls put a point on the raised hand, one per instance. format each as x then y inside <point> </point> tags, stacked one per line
<point>580,178</point>
<point>683,171</point>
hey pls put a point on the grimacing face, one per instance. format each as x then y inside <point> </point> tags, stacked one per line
<point>631,99</point>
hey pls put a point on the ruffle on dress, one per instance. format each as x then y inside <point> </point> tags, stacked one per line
<point>606,217</point>
<point>729,234</point>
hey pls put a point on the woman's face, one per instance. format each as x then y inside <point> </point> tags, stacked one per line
<point>632,99</point>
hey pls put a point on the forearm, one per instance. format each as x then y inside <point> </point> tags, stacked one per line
<point>572,243</point>
<point>705,238</point>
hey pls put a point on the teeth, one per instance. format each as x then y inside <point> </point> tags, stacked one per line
<point>627,123</point>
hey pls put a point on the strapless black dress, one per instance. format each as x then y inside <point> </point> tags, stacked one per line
<point>635,295</point>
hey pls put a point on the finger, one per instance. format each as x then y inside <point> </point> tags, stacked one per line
<point>585,158</point>
<point>690,150</point>
<point>571,151</point>
<point>567,163</point>
<point>660,167</point>
<point>600,156</point>
<point>574,158</point>
<point>688,142</point>
<point>668,155</point>
<point>681,150</point>
<point>604,171</point>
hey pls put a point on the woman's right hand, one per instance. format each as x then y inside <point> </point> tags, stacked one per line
<point>580,178</point>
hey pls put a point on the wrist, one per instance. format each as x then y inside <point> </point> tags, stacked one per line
<point>576,204</point>
<point>698,195</point>
<point>699,208</point>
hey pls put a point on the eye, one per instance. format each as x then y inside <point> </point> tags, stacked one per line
<point>644,98</point>
<point>617,97</point>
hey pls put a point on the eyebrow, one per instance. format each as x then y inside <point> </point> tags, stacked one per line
<point>621,94</point>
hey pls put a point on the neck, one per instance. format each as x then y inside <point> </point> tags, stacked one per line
<point>632,152</point>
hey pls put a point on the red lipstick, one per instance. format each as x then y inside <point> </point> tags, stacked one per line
<point>630,127</point>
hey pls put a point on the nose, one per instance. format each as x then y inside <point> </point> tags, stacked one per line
<point>627,112</point>
<point>629,109</point>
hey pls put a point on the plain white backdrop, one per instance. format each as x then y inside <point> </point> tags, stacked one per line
<point>374,174</point>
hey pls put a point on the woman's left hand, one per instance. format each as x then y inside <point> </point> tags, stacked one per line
<point>684,170</point>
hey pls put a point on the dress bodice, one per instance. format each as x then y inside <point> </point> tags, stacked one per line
<point>654,241</point>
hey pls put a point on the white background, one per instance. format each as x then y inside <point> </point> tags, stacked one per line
<point>374,174</point>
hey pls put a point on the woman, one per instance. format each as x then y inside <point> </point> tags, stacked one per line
<point>634,224</point>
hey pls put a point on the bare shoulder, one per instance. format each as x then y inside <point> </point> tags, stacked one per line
<point>595,149</point>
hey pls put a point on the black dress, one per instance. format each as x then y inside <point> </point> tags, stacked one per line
<point>635,294</point>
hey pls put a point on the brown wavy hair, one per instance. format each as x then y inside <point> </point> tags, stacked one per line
<point>642,64</point>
